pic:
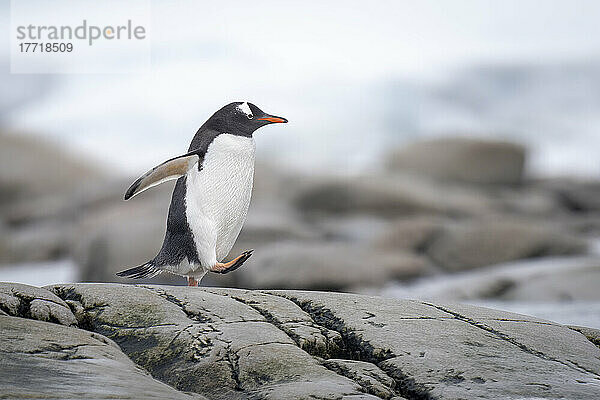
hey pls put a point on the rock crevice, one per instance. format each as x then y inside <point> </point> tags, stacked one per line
<point>355,348</point>
<point>503,336</point>
<point>384,388</point>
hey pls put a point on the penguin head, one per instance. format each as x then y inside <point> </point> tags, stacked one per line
<point>242,118</point>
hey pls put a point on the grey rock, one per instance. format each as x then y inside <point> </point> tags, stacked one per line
<point>555,280</point>
<point>366,195</point>
<point>581,282</point>
<point>49,361</point>
<point>456,352</point>
<point>297,324</point>
<point>410,233</point>
<point>207,343</point>
<point>30,166</point>
<point>328,266</point>
<point>576,195</point>
<point>584,223</point>
<point>38,182</point>
<point>359,229</point>
<point>232,343</point>
<point>474,243</point>
<point>36,242</point>
<point>368,375</point>
<point>121,235</point>
<point>593,335</point>
<point>66,206</point>
<point>27,301</point>
<point>526,200</point>
<point>462,159</point>
<point>500,239</point>
<point>389,196</point>
<point>268,223</point>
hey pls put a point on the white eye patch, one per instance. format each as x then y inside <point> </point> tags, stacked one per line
<point>245,108</point>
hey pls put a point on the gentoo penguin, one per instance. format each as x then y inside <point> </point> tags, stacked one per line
<point>211,197</point>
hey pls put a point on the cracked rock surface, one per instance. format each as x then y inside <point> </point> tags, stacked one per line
<point>43,360</point>
<point>179,342</point>
<point>28,301</point>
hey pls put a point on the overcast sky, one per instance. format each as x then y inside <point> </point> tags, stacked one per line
<point>365,40</point>
<point>352,38</point>
<point>313,62</point>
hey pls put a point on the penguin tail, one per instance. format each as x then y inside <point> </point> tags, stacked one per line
<point>147,270</point>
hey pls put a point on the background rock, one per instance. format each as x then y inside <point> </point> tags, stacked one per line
<point>468,244</point>
<point>412,233</point>
<point>37,242</point>
<point>542,281</point>
<point>319,232</point>
<point>327,266</point>
<point>576,195</point>
<point>389,196</point>
<point>462,159</point>
<point>577,283</point>
<point>122,235</point>
<point>32,167</point>
<point>499,239</point>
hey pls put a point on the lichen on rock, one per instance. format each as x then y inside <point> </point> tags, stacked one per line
<point>239,344</point>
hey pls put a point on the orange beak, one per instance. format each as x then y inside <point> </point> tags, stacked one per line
<point>274,120</point>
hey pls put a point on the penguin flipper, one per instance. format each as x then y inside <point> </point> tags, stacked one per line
<point>169,170</point>
<point>148,270</point>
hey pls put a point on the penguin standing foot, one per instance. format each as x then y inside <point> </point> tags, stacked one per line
<point>192,281</point>
<point>223,268</point>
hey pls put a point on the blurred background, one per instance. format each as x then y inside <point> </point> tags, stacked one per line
<point>435,150</point>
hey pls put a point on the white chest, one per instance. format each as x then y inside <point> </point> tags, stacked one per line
<point>218,196</point>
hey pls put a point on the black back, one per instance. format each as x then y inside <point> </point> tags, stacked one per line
<point>179,242</point>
